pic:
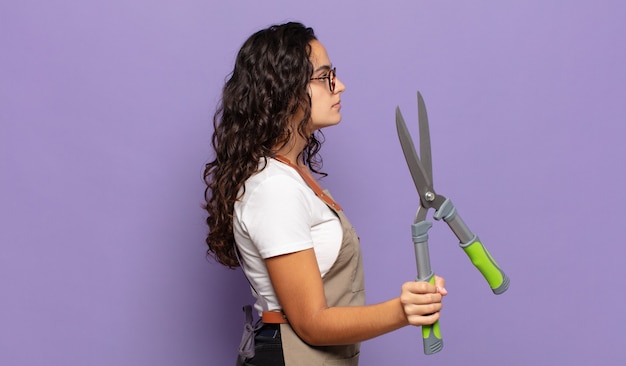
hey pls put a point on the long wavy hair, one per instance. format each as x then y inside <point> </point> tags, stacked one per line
<point>265,91</point>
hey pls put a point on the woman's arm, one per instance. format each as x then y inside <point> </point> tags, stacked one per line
<point>298,285</point>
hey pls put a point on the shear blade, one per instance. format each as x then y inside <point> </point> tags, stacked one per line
<point>424,130</point>
<point>418,173</point>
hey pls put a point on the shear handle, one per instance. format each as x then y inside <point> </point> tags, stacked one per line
<point>474,248</point>
<point>431,334</point>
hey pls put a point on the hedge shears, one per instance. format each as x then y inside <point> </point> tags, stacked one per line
<point>421,171</point>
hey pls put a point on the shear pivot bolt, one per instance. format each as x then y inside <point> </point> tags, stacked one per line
<point>430,196</point>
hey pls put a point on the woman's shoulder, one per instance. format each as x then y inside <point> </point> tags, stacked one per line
<point>274,178</point>
<point>276,185</point>
<point>273,170</point>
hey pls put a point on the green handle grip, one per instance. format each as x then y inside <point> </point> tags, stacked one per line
<point>475,250</point>
<point>431,334</point>
<point>481,259</point>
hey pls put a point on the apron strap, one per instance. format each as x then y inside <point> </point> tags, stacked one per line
<point>264,304</point>
<point>311,183</point>
<point>246,346</point>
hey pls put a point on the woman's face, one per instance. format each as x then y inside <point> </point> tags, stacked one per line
<point>325,105</point>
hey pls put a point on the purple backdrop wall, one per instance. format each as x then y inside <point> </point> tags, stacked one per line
<point>105,114</point>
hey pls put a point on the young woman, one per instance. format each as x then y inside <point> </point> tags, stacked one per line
<point>267,213</point>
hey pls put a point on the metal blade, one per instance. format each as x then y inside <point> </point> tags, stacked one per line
<point>424,130</point>
<point>420,178</point>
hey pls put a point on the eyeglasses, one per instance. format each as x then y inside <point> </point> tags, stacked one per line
<point>332,75</point>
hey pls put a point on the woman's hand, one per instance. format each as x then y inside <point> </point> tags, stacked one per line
<point>421,301</point>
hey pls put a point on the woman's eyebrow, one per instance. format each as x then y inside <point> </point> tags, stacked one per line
<point>323,67</point>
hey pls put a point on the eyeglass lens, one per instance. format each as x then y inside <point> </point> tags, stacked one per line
<point>331,79</point>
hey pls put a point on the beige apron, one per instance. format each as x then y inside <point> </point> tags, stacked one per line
<point>343,286</point>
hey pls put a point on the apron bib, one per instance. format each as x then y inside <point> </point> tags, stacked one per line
<point>343,286</point>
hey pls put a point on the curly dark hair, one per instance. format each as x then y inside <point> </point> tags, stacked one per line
<point>267,88</point>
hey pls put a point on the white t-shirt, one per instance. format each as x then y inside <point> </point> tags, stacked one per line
<point>280,214</point>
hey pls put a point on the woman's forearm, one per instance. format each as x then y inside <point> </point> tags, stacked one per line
<point>346,325</point>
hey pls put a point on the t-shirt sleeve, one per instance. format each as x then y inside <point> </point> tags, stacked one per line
<point>277,217</point>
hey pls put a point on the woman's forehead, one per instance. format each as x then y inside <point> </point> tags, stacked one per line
<point>319,56</point>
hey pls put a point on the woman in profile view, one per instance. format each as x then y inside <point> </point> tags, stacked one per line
<point>268,214</point>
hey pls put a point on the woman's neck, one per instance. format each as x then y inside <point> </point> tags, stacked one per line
<point>292,150</point>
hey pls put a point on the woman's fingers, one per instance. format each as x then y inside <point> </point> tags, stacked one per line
<point>441,285</point>
<point>421,301</point>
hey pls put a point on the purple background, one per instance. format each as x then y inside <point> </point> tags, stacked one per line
<point>105,110</point>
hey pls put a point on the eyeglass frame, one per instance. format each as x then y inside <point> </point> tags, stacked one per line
<point>332,76</point>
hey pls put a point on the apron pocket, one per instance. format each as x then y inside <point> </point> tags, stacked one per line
<point>352,361</point>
